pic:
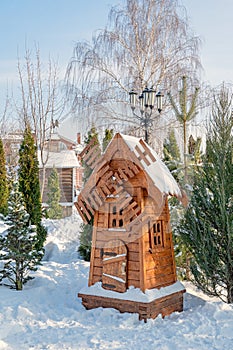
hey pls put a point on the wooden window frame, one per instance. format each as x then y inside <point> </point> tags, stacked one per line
<point>116,217</point>
<point>156,235</point>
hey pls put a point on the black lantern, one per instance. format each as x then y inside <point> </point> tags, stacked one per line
<point>148,100</point>
<point>159,98</point>
<point>132,98</point>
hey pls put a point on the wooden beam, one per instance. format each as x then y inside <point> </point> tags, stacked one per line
<point>81,212</point>
<point>86,149</point>
<point>147,150</point>
<point>142,156</point>
<point>122,174</point>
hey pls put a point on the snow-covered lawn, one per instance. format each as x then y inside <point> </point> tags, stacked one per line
<point>48,315</point>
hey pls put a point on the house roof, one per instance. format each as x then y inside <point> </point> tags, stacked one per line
<point>156,170</point>
<point>63,159</point>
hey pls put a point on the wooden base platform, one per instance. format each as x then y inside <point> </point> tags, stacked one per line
<point>164,305</point>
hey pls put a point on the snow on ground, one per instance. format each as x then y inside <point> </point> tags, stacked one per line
<point>48,315</point>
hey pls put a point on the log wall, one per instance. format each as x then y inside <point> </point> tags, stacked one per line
<point>164,306</point>
<point>65,183</point>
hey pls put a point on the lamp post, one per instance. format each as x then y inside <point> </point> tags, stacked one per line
<point>147,101</point>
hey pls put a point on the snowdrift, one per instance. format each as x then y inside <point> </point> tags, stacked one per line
<point>48,315</point>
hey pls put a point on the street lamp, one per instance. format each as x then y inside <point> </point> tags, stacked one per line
<point>147,101</point>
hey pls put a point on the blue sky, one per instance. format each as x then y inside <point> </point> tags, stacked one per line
<point>56,24</point>
<point>212,21</point>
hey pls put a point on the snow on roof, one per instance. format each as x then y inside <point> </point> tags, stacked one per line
<point>157,171</point>
<point>55,137</point>
<point>63,159</point>
<point>132,293</point>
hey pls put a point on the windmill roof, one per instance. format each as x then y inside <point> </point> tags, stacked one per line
<point>157,170</point>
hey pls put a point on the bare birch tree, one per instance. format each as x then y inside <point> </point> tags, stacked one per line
<point>145,43</point>
<point>4,122</point>
<point>41,103</point>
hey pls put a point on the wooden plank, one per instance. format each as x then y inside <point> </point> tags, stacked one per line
<point>88,205</point>
<point>98,262</point>
<point>97,253</point>
<point>138,223</point>
<point>81,213</point>
<point>90,151</point>
<point>88,146</point>
<point>100,223</point>
<point>164,305</point>
<point>108,259</point>
<point>119,180</point>
<point>91,157</point>
<point>102,171</point>
<point>132,212</point>
<point>100,192</point>
<point>128,171</point>
<point>142,264</point>
<point>97,271</point>
<point>97,198</point>
<point>92,202</point>
<point>124,203</point>
<point>134,283</point>
<point>105,236</point>
<point>173,257</point>
<point>157,271</point>
<point>142,156</point>
<point>106,176</point>
<point>133,167</point>
<point>123,176</point>
<point>91,279</point>
<point>106,219</point>
<point>133,246</point>
<point>147,150</point>
<point>96,279</point>
<point>105,189</point>
<point>133,266</point>
<point>132,206</point>
<point>158,254</point>
<point>118,191</point>
<point>83,208</point>
<point>152,263</point>
<point>133,256</point>
<point>97,161</point>
<point>160,281</point>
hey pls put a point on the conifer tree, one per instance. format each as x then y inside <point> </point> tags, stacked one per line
<point>92,137</point>
<point>3,181</point>
<point>86,229</point>
<point>173,161</point>
<point>85,240</point>
<point>172,154</point>
<point>107,138</point>
<point>185,113</point>
<point>55,210</point>
<point>18,243</point>
<point>29,183</point>
<point>207,227</point>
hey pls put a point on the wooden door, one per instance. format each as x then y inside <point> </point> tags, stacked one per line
<point>114,266</point>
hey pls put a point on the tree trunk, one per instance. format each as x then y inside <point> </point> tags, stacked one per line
<point>42,183</point>
<point>187,269</point>
<point>185,152</point>
<point>230,293</point>
<point>18,278</point>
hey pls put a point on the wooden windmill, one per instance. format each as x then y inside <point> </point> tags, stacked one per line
<point>126,199</point>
